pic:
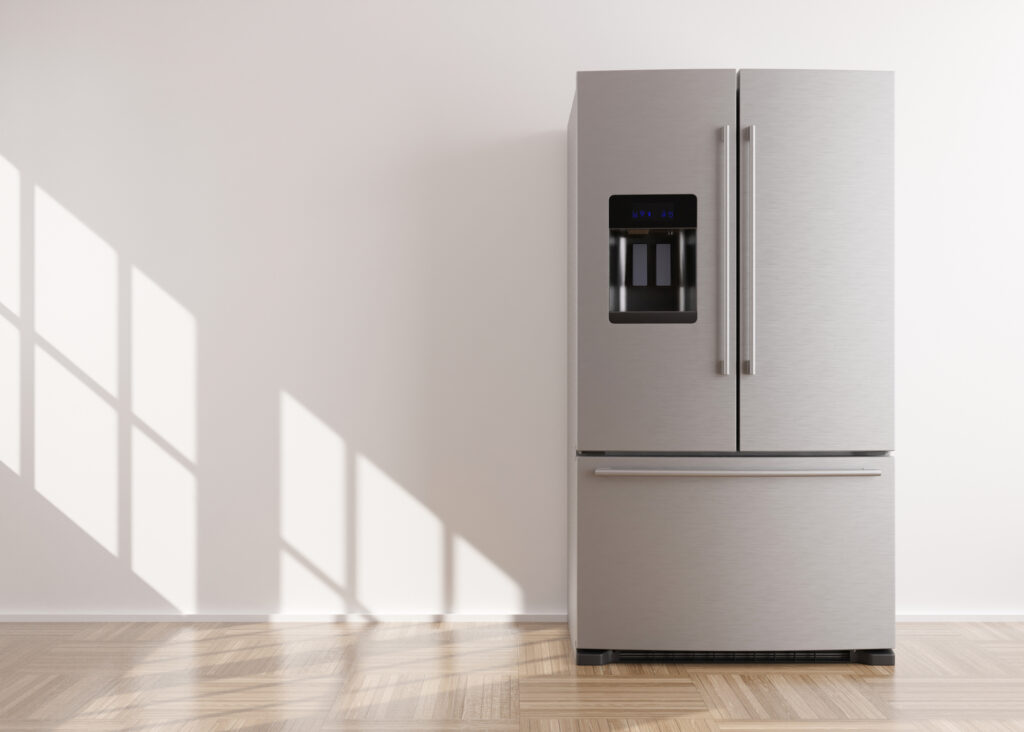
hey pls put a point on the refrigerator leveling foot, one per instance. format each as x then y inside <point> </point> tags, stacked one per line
<point>595,657</point>
<point>874,657</point>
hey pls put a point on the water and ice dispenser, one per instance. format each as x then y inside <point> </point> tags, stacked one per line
<point>652,249</point>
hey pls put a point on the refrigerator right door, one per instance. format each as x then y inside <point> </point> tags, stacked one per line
<point>816,263</point>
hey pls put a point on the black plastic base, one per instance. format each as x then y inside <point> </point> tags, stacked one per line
<point>590,657</point>
<point>874,657</point>
<point>868,657</point>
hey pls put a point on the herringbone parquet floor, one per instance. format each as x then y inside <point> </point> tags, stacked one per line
<point>489,676</point>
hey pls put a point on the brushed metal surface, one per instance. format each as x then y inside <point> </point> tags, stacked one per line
<point>651,386</point>
<point>824,261</point>
<point>745,563</point>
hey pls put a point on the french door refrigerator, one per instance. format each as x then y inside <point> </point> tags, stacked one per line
<point>731,365</point>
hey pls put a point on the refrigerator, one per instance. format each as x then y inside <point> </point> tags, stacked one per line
<point>731,487</point>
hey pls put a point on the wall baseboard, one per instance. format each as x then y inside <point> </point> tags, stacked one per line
<point>424,618</point>
<point>288,618</point>
<point>960,618</point>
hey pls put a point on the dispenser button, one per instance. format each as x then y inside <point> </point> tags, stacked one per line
<point>639,265</point>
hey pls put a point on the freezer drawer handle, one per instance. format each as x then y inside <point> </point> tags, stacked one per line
<point>666,473</point>
<point>723,266</point>
<point>751,344</point>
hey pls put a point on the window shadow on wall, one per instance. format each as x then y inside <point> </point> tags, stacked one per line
<point>275,417</point>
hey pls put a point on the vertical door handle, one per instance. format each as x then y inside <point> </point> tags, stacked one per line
<point>723,265</point>
<point>751,264</point>
<point>622,274</point>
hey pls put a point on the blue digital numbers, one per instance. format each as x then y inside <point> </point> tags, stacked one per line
<point>655,214</point>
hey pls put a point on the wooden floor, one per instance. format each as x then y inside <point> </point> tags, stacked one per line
<point>255,676</point>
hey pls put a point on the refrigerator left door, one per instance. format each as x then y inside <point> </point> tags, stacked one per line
<point>654,370</point>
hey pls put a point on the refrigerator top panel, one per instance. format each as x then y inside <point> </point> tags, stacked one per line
<point>653,322</point>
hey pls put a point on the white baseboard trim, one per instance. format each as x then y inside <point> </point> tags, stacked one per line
<point>425,618</point>
<point>288,618</point>
<point>960,618</point>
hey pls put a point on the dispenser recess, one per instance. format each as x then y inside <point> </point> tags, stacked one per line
<point>652,251</point>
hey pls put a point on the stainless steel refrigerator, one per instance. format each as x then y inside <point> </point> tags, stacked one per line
<point>731,365</point>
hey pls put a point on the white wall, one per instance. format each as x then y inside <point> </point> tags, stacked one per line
<point>288,334</point>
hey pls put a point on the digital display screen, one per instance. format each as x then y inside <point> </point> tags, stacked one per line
<point>650,212</point>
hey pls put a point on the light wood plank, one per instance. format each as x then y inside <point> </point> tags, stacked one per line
<point>952,698</point>
<point>609,697</point>
<point>618,725</point>
<point>482,676</point>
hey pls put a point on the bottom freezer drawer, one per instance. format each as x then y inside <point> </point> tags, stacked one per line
<point>731,554</point>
